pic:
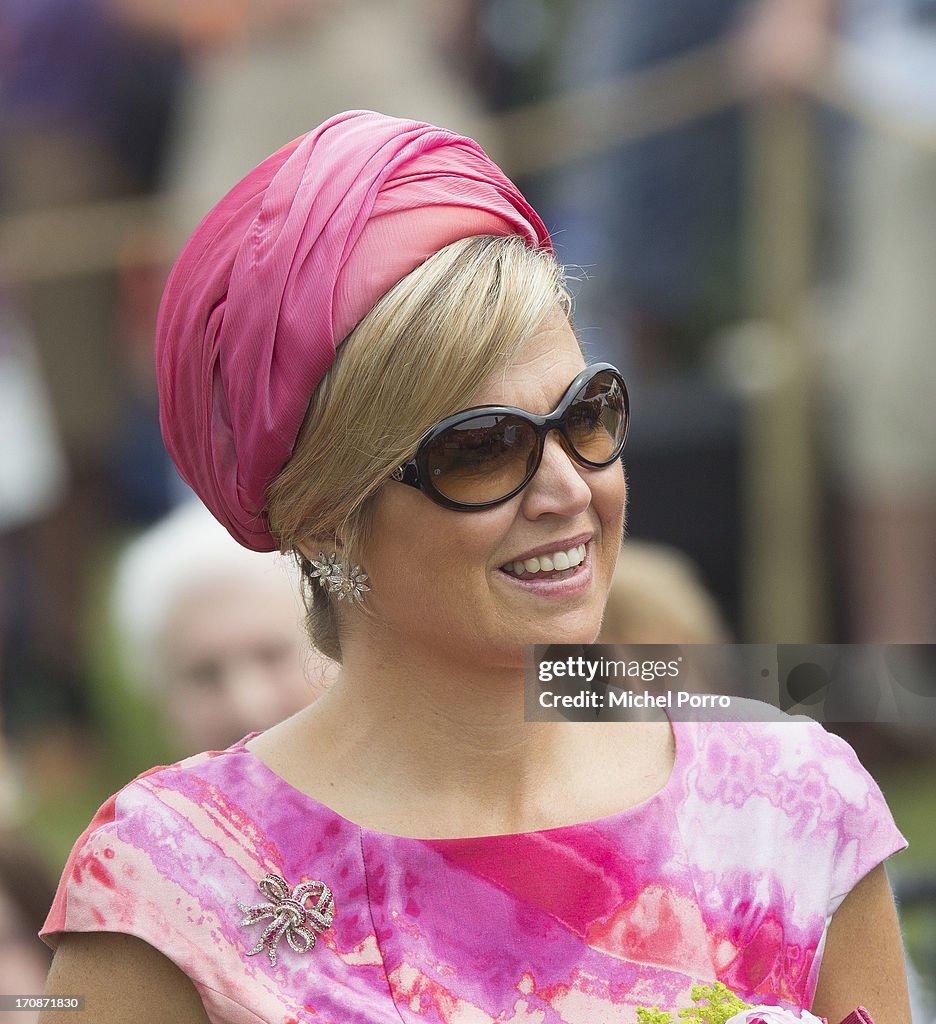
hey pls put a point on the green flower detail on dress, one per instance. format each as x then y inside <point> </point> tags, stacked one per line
<point>720,1004</point>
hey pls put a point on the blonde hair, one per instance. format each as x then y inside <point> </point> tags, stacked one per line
<point>418,356</point>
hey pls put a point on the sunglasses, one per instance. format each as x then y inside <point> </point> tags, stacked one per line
<point>482,457</point>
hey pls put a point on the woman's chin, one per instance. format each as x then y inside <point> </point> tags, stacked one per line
<point>578,632</point>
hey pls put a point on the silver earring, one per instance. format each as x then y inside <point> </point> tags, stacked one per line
<point>337,577</point>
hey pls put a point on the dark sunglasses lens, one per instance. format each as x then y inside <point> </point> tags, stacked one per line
<point>481,459</point>
<point>596,421</point>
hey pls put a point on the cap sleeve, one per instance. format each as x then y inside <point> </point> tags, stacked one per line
<point>767,797</point>
<point>865,831</point>
<point>147,866</point>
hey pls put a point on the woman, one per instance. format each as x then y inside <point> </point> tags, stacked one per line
<point>407,847</point>
<point>210,632</point>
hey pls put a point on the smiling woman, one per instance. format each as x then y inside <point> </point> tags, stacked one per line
<point>471,612</point>
<point>366,359</point>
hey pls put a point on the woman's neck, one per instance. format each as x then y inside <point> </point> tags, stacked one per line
<point>447,732</point>
<point>424,746</point>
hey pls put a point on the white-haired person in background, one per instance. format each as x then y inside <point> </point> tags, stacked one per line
<point>212,631</point>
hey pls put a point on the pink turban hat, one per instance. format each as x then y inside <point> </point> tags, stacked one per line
<point>284,268</point>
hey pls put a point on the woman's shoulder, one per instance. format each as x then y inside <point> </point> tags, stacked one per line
<point>148,830</point>
<point>186,819</point>
<point>194,792</point>
<point>176,856</point>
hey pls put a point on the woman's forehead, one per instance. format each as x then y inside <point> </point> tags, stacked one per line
<point>536,378</point>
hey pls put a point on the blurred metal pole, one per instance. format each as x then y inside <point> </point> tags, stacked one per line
<point>783,587</point>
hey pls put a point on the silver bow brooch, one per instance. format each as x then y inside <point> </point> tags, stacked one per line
<point>290,916</point>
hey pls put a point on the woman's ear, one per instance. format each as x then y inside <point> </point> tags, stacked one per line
<point>308,549</point>
<point>330,570</point>
<point>312,547</point>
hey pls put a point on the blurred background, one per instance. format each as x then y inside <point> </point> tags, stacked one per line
<point>745,192</point>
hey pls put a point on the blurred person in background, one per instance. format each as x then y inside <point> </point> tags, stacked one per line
<point>658,597</point>
<point>212,633</point>
<point>876,339</point>
<point>879,353</point>
<point>274,68</point>
<point>882,374</point>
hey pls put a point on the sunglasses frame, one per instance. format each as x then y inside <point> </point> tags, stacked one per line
<point>415,472</point>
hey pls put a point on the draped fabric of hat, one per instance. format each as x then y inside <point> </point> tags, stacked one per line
<point>283,269</point>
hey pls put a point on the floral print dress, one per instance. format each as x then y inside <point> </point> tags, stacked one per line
<point>730,872</point>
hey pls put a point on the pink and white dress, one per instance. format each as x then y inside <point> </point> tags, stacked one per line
<point>730,872</point>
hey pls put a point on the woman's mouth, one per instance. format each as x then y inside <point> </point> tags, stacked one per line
<point>552,565</point>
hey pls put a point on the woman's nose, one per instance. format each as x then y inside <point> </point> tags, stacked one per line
<point>559,485</point>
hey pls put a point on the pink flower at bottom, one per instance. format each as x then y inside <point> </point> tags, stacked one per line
<point>773,1015</point>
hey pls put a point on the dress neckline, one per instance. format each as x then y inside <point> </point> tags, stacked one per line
<point>681,753</point>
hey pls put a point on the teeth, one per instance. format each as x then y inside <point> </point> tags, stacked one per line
<point>557,561</point>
